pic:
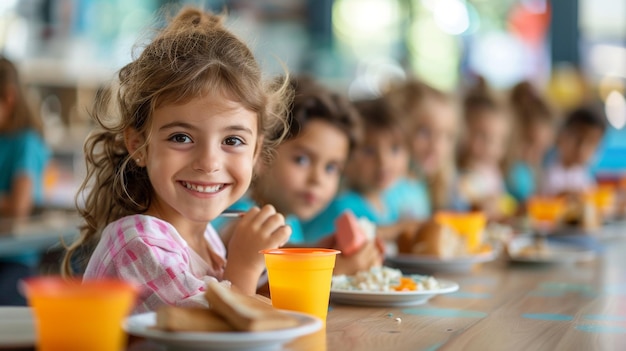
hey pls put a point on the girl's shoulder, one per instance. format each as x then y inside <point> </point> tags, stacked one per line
<point>143,227</point>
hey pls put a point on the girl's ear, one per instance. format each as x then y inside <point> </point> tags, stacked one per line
<point>134,142</point>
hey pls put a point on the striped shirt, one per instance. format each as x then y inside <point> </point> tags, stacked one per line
<point>152,254</point>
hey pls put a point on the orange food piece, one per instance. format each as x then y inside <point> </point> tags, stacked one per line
<point>406,284</point>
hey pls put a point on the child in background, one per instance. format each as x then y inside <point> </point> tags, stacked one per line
<point>194,115</point>
<point>23,158</point>
<point>576,144</point>
<point>534,125</point>
<point>304,173</point>
<point>433,124</point>
<point>482,151</point>
<point>373,169</point>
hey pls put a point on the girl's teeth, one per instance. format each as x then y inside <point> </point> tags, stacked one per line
<point>203,189</point>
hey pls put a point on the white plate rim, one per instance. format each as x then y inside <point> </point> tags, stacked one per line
<point>139,325</point>
<point>575,253</point>
<point>19,315</point>
<point>390,298</point>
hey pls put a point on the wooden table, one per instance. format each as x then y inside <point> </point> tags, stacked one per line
<point>500,306</point>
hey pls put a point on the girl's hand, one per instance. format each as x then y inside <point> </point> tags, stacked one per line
<point>257,230</point>
<point>369,255</point>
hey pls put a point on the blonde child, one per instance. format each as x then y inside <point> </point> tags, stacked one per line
<point>376,166</point>
<point>304,173</point>
<point>433,124</point>
<point>482,151</point>
<point>194,115</point>
<point>534,125</point>
<point>577,142</point>
<point>23,158</point>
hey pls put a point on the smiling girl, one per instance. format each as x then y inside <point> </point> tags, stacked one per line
<point>193,116</point>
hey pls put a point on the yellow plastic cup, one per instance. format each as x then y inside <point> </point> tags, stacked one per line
<point>546,211</point>
<point>604,197</point>
<point>469,225</point>
<point>300,278</point>
<point>75,316</point>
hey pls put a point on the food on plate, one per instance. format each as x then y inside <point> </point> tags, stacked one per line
<point>384,279</point>
<point>538,250</point>
<point>353,233</point>
<point>432,239</point>
<point>581,210</point>
<point>246,312</point>
<point>190,319</point>
<point>228,310</point>
<point>440,240</point>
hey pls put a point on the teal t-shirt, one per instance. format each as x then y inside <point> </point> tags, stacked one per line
<point>408,198</point>
<point>246,203</point>
<point>520,181</point>
<point>23,153</point>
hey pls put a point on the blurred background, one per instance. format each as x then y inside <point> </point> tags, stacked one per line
<point>574,50</point>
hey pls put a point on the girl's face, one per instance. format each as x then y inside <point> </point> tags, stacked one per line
<point>539,139</point>
<point>380,161</point>
<point>487,136</point>
<point>578,145</point>
<point>435,137</point>
<point>199,158</point>
<point>304,175</point>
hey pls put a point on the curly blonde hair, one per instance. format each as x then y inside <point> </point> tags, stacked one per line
<point>194,55</point>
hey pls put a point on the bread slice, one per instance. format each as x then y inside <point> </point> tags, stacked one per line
<point>245,312</point>
<point>438,240</point>
<point>190,319</point>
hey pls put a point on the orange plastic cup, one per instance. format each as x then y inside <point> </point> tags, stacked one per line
<point>469,225</point>
<point>546,210</point>
<point>75,316</point>
<point>300,278</point>
<point>604,197</point>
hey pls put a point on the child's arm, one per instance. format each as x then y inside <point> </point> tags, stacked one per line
<point>257,230</point>
<point>392,231</point>
<point>19,201</point>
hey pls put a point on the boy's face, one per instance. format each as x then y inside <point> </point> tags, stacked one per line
<point>380,161</point>
<point>199,158</point>
<point>304,174</point>
<point>578,145</point>
<point>434,139</point>
<point>487,138</point>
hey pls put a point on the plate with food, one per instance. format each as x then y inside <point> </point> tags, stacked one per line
<point>535,249</point>
<point>144,325</point>
<point>438,247</point>
<point>234,322</point>
<point>384,286</point>
<point>17,327</point>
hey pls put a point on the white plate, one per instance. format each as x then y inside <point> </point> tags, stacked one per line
<point>423,264</point>
<point>141,325</point>
<point>391,298</point>
<point>17,328</point>
<point>555,252</point>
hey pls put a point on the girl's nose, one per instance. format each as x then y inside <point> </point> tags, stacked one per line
<point>315,174</point>
<point>208,159</point>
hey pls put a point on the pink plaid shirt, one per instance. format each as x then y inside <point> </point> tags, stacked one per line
<point>151,253</point>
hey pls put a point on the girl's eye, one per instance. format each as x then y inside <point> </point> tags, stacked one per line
<point>180,138</point>
<point>332,168</point>
<point>233,141</point>
<point>301,160</point>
